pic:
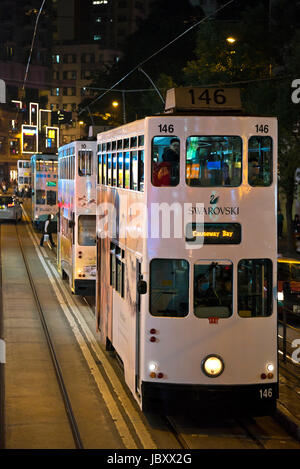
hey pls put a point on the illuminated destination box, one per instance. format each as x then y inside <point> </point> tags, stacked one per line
<point>213,233</point>
<point>51,183</point>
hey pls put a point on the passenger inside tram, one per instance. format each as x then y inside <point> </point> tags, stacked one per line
<point>165,161</point>
<point>205,294</point>
<point>213,290</point>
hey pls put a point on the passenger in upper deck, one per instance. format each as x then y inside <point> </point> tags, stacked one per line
<point>172,153</point>
<point>165,163</point>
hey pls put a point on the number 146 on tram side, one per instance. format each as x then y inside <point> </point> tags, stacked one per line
<point>187,258</point>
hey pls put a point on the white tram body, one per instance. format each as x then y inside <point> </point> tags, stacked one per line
<point>24,176</point>
<point>44,188</point>
<point>178,346</point>
<point>76,234</point>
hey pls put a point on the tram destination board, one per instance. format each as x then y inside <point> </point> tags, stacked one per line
<point>213,233</point>
<point>187,98</point>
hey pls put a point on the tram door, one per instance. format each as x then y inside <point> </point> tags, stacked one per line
<point>98,284</point>
<point>138,327</point>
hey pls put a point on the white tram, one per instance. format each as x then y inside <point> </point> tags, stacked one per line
<point>24,176</point>
<point>187,257</point>
<point>44,188</point>
<point>76,234</point>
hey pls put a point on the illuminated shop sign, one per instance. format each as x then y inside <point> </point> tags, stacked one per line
<point>33,113</point>
<point>29,138</point>
<point>52,137</point>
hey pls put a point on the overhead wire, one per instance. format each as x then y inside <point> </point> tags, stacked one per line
<point>156,53</point>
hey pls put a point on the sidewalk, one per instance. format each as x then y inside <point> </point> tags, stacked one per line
<point>288,410</point>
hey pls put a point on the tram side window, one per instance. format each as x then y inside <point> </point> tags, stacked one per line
<point>109,177</point>
<point>99,168</point>
<point>254,288</point>
<point>87,230</point>
<point>120,170</point>
<point>260,161</point>
<point>103,168</point>
<point>114,169</point>
<point>141,171</point>
<point>126,157</point>
<point>213,290</point>
<point>117,269</point>
<point>51,197</point>
<point>169,287</point>
<point>165,159</point>
<point>214,161</point>
<point>134,171</point>
<point>40,197</point>
<point>295,272</point>
<point>85,158</point>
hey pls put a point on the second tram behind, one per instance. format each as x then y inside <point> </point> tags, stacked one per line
<point>44,188</point>
<point>187,259</point>
<point>24,177</point>
<point>76,234</point>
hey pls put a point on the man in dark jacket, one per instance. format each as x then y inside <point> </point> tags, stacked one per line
<point>48,232</point>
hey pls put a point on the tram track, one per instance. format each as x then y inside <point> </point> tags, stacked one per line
<point>125,417</point>
<point>57,368</point>
<point>181,439</point>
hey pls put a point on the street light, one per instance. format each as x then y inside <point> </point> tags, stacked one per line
<point>230,40</point>
<point>115,104</point>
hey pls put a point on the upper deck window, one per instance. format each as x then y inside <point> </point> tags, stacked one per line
<point>260,161</point>
<point>213,161</point>
<point>85,158</point>
<point>165,161</point>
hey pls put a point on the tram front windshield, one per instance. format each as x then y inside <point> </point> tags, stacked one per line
<point>213,161</point>
<point>213,290</point>
<point>87,230</point>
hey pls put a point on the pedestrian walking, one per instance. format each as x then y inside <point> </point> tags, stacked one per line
<point>280,219</point>
<point>47,231</point>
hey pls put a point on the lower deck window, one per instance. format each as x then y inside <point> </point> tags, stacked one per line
<point>213,290</point>
<point>169,287</point>
<point>40,197</point>
<point>254,287</point>
<point>87,230</point>
<point>51,198</point>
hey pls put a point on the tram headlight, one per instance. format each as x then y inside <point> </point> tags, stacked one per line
<point>270,367</point>
<point>152,366</point>
<point>213,366</point>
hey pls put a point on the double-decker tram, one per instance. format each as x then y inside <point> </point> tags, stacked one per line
<point>24,176</point>
<point>187,255</point>
<point>44,178</point>
<point>76,234</point>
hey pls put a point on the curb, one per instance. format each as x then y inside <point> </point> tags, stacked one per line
<point>287,420</point>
